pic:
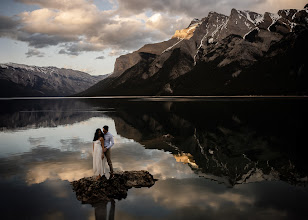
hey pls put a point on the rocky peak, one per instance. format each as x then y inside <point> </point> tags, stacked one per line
<point>215,23</point>
<point>242,37</point>
<point>287,13</point>
<point>246,18</point>
<point>266,22</point>
<point>188,32</point>
<point>301,17</point>
<point>254,17</point>
<point>239,23</point>
<point>216,18</point>
<point>195,20</point>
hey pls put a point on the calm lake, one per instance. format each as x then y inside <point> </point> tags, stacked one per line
<point>214,158</point>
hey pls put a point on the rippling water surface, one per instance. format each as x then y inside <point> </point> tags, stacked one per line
<point>214,158</point>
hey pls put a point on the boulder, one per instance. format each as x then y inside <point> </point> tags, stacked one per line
<point>89,190</point>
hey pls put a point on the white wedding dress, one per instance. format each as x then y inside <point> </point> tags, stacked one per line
<point>98,162</point>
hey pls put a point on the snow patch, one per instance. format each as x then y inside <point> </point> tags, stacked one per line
<point>247,25</point>
<point>248,17</point>
<point>294,16</point>
<point>287,12</point>
<point>198,142</point>
<point>195,19</point>
<point>244,37</point>
<point>257,20</point>
<point>274,18</point>
<point>225,24</point>
<point>168,88</point>
<point>4,66</point>
<point>201,43</point>
<point>236,74</point>
<point>169,48</point>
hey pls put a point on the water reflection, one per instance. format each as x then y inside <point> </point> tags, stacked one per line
<point>233,143</point>
<point>24,114</point>
<point>101,210</point>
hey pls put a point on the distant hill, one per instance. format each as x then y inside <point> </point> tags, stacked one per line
<point>22,80</point>
<point>245,53</point>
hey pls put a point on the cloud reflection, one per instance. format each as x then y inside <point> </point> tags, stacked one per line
<point>74,161</point>
<point>204,199</point>
<point>50,157</point>
<point>36,141</point>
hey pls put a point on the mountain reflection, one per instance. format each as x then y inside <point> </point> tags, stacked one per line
<point>233,142</point>
<point>22,114</point>
<point>186,158</point>
<point>230,142</point>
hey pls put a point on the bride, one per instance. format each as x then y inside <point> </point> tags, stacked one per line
<point>98,155</point>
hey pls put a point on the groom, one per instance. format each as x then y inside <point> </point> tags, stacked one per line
<point>109,142</point>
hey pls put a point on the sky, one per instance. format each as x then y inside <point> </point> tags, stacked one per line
<point>88,35</point>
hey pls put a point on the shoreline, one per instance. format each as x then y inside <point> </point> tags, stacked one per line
<point>163,97</point>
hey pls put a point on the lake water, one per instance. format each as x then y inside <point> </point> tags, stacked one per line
<point>214,158</point>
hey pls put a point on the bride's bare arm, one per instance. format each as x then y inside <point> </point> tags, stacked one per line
<point>102,144</point>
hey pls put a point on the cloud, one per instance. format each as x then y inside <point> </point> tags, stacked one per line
<point>42,40</point>
<point>56,4</point>
<point>116,53</point>
<point>76,48</point>
<point>200,8</point>
<point>8,26</point>
<point>100,58</point>
<point>34,52</point>
<point>81,29</point>
<point>7,23</point>
<point>166,24</point>
<point>79,26</point>
<point>36,141</point>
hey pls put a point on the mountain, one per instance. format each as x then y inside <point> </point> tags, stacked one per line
<point>23,80</point>
<point>245,53</point>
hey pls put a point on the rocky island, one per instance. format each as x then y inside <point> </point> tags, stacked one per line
<point>89,190</point>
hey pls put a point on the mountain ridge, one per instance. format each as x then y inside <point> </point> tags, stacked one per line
<point>24,80</point>
<point>233,43</point>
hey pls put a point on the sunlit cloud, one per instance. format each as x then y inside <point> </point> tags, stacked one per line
<point>53,171</point>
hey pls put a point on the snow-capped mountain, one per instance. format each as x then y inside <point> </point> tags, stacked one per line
<point>24,80</point>
<point>245,53</point>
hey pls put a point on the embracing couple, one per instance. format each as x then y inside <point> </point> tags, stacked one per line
<point>102,143</point>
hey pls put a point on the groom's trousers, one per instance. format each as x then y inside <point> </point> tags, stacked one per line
<point>108,157</point>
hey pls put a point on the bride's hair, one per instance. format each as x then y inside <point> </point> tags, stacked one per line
<point>97,135</point>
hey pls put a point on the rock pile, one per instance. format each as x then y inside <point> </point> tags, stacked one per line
<point>89,190</point>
